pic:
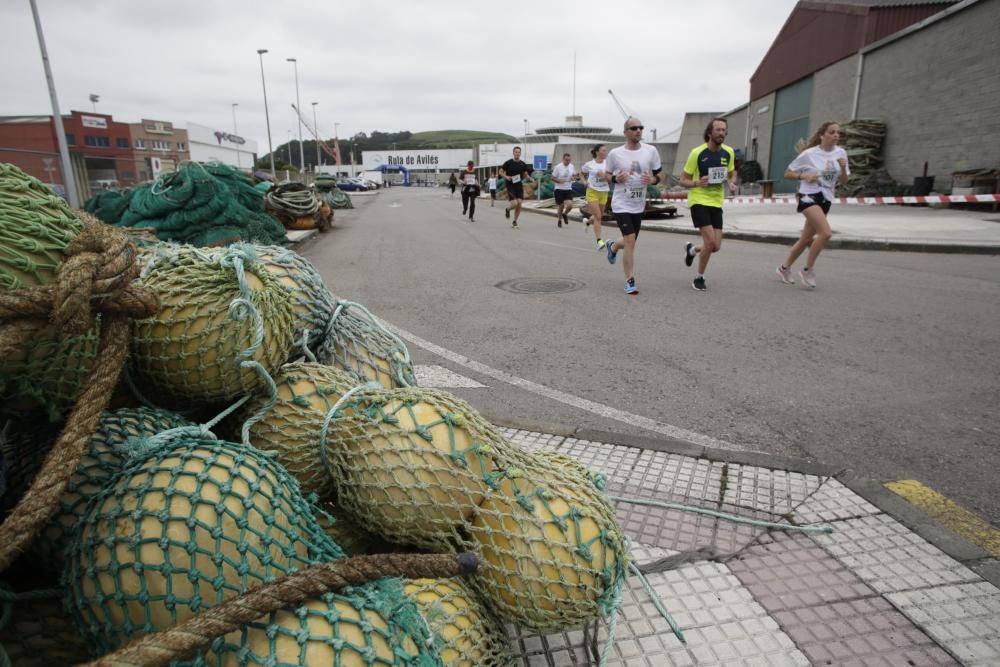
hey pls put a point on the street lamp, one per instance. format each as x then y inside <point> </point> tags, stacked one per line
<point>288,148</point>
<point>236,131</point>
<point>267,116</point>
<point>298,112</point>
<point>316,127</point>
<point>524,146</point>
<point>94,99</point>
<point>336,139</point>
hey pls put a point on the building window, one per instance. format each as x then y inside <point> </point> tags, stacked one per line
<point>70,139</point>
<point>140,143</point>
<point>180,146</point>
<point>122,143</point>
<point>91,140</point>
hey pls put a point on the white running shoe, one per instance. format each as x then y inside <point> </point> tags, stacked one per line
<point>808,278</point>
<point>786,275</point>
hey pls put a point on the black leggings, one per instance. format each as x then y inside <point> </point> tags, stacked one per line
<point>469,200</point>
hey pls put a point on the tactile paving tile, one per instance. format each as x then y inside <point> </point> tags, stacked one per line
<point>787,571</point>
<point>964,618</point>
<point>866,631</point>
<point>439,376</point>
<point>776,492</point>
<point>615,461</point>
<point>720,621</point>
<point>833,502</point>
<point>890,558</point>
<point>531,440</point>
<point>677,478</point>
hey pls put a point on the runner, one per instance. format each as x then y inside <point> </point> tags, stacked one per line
<point>514,170</point>
<point>597,188</point>
<point>452,182</point>
<point>492,183</point>
<point>820,165</point>
<point>707,168</point>
<point>564,174</point>
<point>634,166</point>
<point>470,190</point>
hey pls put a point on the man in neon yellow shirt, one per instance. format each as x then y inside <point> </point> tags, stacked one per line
<point>708,170</point>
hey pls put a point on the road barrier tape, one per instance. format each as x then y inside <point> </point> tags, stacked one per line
<point>865,201</point>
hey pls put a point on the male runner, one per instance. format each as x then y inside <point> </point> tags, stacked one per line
<point>514,171</point>
<point>708,167</point>
<point>563,175</point>
<point>635,166</point>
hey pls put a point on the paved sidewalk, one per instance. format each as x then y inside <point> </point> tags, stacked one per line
<point>871,592</point>
<point>887,227</point>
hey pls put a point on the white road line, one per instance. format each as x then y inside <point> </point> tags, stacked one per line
<point>568,399</point>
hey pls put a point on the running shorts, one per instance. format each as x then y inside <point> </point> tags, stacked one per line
<point>815,199</point>
<point>563,195</point>
<point>600,196</point>
<point>628,223</point>
<point>705,216</point>
<point>515,190</point>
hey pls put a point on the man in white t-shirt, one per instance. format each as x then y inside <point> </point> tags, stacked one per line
<point>564,174</point>
<point>635,166</point>
<point>492,184</point>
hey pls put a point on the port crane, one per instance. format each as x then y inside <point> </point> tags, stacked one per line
<point>334,155</point>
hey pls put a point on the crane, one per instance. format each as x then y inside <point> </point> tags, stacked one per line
<point>334,155</point>
<point>619,104</point>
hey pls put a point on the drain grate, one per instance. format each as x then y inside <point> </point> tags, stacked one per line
<point>540,285</point>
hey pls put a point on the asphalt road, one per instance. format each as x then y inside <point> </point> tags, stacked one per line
<point>889,368</point>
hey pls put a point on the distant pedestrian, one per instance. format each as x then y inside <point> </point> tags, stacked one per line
<point>597,188</point>
<point>492,184</point>
<point>470,190</point>
<point>453,183</point>
<point>708,169</point>
<point>514,171</point>
<point>635,166</point>
<point>564,174</point>
<point>820,165</point>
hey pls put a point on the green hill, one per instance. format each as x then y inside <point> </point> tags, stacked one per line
<point>456,139</point>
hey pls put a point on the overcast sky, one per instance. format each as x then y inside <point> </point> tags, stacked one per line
<point>390,65</point>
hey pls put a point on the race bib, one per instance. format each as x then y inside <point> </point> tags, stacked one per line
<point>716,175</point>
<point>515,179</point>
<point>635,192</point>
<point>470,179</point>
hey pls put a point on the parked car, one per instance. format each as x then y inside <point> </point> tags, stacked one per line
<point>350,185</point>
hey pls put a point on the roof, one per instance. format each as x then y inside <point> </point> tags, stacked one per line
<point>890,3</point>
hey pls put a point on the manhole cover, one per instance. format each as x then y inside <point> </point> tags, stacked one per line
<point>540,285</point>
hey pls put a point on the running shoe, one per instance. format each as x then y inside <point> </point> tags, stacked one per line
<point>600,244</point>
<point>464,211</point>
<point>559,224</point>
<point>506,212</point>
<point>514,224</point>
<point>808,278</point>
<point>612,256</point>
<point>586,222</point>
<point>786,275</point>
<point>688,257</point>
<point>699,284</point>
<point>630,287</point>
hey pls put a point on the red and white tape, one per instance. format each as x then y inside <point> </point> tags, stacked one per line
<point>867,201</point>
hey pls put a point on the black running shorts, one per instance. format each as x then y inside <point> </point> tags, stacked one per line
<point>706,216</point>
<point>563,195</point>
<point>515,190</point>
<point>815,199</point>
<point>628,223</point>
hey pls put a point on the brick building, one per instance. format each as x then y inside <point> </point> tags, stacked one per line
<point>924,67</point>
<point>157,146</point>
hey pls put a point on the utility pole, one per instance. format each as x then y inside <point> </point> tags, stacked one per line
<point>317,138</point>
<point>67,168</point>
<point>298,105</point>
<point>267,115</point>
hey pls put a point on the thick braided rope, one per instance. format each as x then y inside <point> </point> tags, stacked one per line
<point>184,640</point>
<point>98,274</point>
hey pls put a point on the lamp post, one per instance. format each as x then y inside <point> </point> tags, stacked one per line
<point>336,141</point>
<point>298,111</point>
<point>524,144</point>
<point>94,99</point>
<point>288,148</point>
<point>267,116</point>
<point>236,131</point>
<point>316,127</point>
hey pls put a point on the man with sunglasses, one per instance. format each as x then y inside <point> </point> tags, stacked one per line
<point>634,166</point>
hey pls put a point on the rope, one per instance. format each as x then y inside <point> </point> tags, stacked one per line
<point>723,515</point>
<point>295,199</point>
<point>97,275</point>
<point>185,639</point>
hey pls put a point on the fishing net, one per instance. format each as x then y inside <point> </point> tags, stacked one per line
<point>224,324</point>
<point>349,534</point>
<point>421,467</point>
<point>104,456</point>
<point>185,525</point>
<point>327,190</point>
<point>109,205</point>
<point>354,340</point>
<point>312,302</point>
<point>203,204</point>
<point>465,632</point>
<point>374,624</point>
<point>292,426</point>
<point>295,205</point>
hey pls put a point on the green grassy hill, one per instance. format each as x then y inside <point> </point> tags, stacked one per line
<point>457,139</point>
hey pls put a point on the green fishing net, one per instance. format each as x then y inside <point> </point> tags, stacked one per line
<point>356,341</point>
<point>465,632</point>
<point>291,427</point>
<point>203,204</point>
<point>311,300</point>
<point>188,523</point>
<point>326,188</point>
<point>109,205</point>
<point>374,624</point>
<point>225,323</point>
<point>421,467</point>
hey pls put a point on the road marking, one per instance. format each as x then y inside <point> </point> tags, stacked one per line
<point>441,378</point>
<point>567,399</point>
<point>949,513</point>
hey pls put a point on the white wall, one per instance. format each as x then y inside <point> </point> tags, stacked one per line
<point>418,160</point>
<point>208,144</point>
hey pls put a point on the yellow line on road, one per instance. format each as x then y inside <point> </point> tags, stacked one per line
<point>949,513</point>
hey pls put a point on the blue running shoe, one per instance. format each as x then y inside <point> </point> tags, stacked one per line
<point>612,257</point>
<point>630,287</point>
